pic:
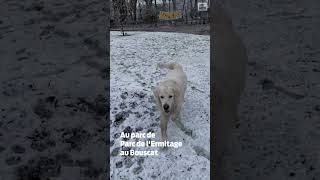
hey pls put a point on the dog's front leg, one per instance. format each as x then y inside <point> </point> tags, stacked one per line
<point>163,126</point>
<point>176,116</point>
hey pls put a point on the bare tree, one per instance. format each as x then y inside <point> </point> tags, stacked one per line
<point>120,7</point>
<point>148,15</point>
<point>192,9</point>
<point>184,10</point>
<point>133,9</point>
<point>183,6</point>
<point>174,5</point>
<point>164,5</point>
<point>196,5</point>
<point>191,4</point>
<point>140,11</point>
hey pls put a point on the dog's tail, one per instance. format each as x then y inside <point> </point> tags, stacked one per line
<point>170,66</point>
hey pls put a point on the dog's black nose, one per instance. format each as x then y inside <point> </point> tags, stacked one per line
<point>166,107</point>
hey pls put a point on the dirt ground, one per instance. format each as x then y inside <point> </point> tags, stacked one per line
<point>200,29</point>
<point>278,129</point>
<point>53,76</point>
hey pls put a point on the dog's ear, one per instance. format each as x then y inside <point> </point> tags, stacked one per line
<point>156,97</point>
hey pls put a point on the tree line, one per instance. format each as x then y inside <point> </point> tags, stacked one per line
<point>147,11</point>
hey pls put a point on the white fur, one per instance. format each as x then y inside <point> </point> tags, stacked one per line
<point>170,93</point>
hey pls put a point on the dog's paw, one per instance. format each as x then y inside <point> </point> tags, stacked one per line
<point>161,65</point>
<point>163,139</point>
<point>163,149</point>
<point>176,118</point>
<point>189,132</point>
<point>158,66</point>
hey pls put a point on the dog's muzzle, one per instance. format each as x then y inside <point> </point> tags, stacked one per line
<point>166,108</point>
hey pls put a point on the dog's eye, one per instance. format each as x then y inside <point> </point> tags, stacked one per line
<point>161,97</point>
<point>170,96</point>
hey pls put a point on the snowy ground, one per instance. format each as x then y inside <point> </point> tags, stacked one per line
<point>52,122</point>
<point>133,76</point>
<point>279,116</point>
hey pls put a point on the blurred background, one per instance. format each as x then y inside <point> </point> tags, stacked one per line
<point>158,14</point>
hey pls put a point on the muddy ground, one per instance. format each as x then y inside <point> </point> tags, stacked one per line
<point>200,29</point>
<point>53,76</point>
<point>278,129</point>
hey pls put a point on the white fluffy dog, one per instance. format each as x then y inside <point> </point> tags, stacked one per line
<point>169,95</point>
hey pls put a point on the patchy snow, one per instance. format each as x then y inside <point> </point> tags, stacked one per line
<point>133,76</point>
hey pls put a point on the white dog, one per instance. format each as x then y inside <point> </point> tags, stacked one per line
<point>169,95</point>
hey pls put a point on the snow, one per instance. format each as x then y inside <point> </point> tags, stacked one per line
<point>133,76</point>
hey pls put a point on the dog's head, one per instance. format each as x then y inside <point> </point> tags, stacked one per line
<point>166,95</point>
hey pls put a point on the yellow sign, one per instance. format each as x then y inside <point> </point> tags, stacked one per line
<point>170,15</point>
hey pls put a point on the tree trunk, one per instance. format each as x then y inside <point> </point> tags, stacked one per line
<point>191,10</point>
<point>163,5</point>
<point>174,5</point>
<point>196,5</point>
<point>122,30</point>
<point>183,6</point>
<point>148,16</point>
<point>134,9</point>
<point>123,13</point>
<point>183,9</point>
